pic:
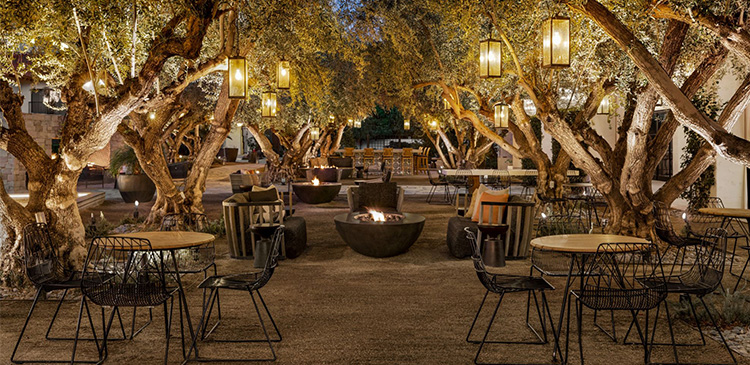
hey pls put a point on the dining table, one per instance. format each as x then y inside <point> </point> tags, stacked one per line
<point>171,241</point>
<point>579,247</point>
<point>733,213</point>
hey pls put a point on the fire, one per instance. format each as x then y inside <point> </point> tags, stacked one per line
<point>377,216</point>
<point>324,167</point>
<point>315,181</point>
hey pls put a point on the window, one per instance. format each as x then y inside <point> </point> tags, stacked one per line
<point>41,98</point>
<point>664,169</point>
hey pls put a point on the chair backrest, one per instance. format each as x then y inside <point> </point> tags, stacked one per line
<point>630,274</point>
<point>194,222</point>
<point>519,216</point>
<point>40,255</point>
<point>369,152</point>
<point>273,259</point>
<point>124,271</point>
<point>433,176</point>
<point>707,269</point>
<point>348,151</point>
<point>240,214</point>
<point>407,152</point>
<point>387,152</point>
<point>476,257</point>
<point>663,224</point>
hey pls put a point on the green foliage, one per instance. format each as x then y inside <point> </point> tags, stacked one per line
<point>216,227</point>
<point>729,308</point>
<point>124,157</point>
<point>102,227</point>
<point>698,193</point>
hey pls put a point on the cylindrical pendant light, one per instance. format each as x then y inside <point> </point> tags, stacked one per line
<point>350,122</point>
<point>556,42</point>
<point>268,107</point>
<point>358,123</point>
<point>434,125</point>
<point>502,115</point>
<point>282,75</point>
<point>446,104</point>
<point>490,58</point>
<point>237,78</point>
<point>315,133</point>
<point>407,124</point>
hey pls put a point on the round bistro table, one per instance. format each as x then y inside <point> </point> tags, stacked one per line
<point>172,241</point>
<point>580,247</point>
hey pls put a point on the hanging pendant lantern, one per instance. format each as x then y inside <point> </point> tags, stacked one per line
<point>357,123</point>
<point>604,106</point>
<point>434,125</point>
<point>282,75</point>
<point>502,115</point>
<point>556,42</point>
<point>350,122</point>
<point>315,133</point>
<point>237,72</point>
<point>268,107</point>
<point>407,124</point>
<point>490,58</point>
<point>446,104</point>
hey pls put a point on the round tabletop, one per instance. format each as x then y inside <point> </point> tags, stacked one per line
<point>581,243</point>
<point>726,212</point>
<point>170,240</point>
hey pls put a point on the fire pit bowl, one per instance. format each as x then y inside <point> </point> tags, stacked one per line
<point>379,239</point>
<point>316,194</point>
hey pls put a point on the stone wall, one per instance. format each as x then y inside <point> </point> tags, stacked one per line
<point>43,128</point>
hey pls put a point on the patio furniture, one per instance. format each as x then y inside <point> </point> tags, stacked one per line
<point>629,278</point>
<point>385,178</point>
<point>379,239</point>
<point>702,278</point>
<point>252,283</point>
<point>345,164</point>
<point>324,174</point>
<point>518,214</point>
<point>128,272</point>
<point>729,224</point>
<point>502,284</point>
<point>310,193</point>
<point>349,152</point>
<point>422,162</point>
<point>388,158</point>
<point>241,179</point>
<point>738,214</point>
<point>44,269</point>
<point>368,158</point>
<point>384,196</point>
<point>437,181</point>
<point>578,248</point>
<point>665,231</point>
<point>407,159</point>
<point>240,212</point>
<point>263,246</point>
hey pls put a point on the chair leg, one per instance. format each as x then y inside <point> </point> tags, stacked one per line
<point>718,329</point>
<point>278,333</point>
<point>25,324</point>
<point>54,318</point>
<point>263,325</point>
<point>740,278</point>
<point>486,332</point>
<point>167,327</point>
<point>471,328</point>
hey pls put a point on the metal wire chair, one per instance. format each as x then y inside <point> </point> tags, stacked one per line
<point>437,181</point>
<point>501,284</point>
<point>251,282</point>
<point>126,272</point>
<point>730,225</point>
<point>622,271</point>
<point>679,244</point>
<point>44,269</point>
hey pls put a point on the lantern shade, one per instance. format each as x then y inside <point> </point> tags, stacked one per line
<point>350,122</point>
<point>446,104</point>
<point>434,125</point>
<point>237,78</point>
<point>604,106</point>
<point>357,124</point>
<point>490,58</point>
<point>502,115</point>
<point>407,124</point>
<point>556,42</point>
<point>282,75</point>
<point>268,107</point>
<point>314,133</point>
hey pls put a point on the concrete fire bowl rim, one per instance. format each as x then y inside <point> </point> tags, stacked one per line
<point>316,194</point>
<point>380,239</point>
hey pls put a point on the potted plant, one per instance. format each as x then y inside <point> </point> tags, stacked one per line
<point>132,183</point>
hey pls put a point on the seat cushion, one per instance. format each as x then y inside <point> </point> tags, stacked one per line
<point>489,196</point>
<point>458,244</point>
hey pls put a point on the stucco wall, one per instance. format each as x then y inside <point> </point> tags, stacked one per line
<point>43,128</point>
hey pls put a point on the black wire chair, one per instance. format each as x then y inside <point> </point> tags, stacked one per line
<point>730,225</point>
<point>436,181</point>
<point>502,284</point>
<point>252,283</point>
<point>126,272</point>
<point>44,269</point>
<point>623,269</point>
<point>702,278</point>
<point>679,244</point>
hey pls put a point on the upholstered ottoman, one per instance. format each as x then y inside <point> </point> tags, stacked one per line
<point>295,236</point>
<point>458,244</point>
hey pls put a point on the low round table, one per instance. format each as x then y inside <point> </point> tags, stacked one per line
<point>379,239</point>
<point>316,194</point>
<point>263,246</point>
<point>580,247</point>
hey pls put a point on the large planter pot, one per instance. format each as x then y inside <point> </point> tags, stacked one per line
<point>230,153</point>
<point>316,194</point>
<point>179,170</point>
<point>136,187</point>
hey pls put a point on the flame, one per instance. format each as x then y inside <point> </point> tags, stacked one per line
<point>377,216</point>
<point>315,181</point>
